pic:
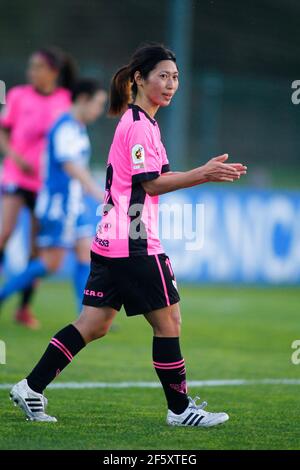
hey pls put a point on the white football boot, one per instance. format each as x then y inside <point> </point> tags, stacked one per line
<point>32,403</point>
<point>194,415</point>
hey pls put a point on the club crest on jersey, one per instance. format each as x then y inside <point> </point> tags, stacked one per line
<point>138,156</point>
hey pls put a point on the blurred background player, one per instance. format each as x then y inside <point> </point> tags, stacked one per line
<point>129,266</point>
<point>29,113</point>
<point>64,220</point>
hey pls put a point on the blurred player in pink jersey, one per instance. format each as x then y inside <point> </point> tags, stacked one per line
<point>129,266</point>
<point>25,120</point>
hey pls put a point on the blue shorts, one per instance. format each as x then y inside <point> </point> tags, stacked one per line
<point>66,230</point>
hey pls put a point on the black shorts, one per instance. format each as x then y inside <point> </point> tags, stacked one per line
<point>141,283</point>
<point>29,197</point>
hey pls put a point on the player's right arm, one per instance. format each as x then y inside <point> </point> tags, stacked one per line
<point>67,150</point>
<point>7,150</point>
<point>4,140</point>
<point>7,121</point>
<point>215,170</point>
<point>85,178</point>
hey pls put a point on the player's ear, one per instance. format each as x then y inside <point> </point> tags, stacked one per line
<point>138,78</point>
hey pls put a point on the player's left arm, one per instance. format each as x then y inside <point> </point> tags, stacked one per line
<point>171,173</point>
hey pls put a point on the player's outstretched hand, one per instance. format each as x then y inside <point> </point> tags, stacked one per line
<point>217,170</point>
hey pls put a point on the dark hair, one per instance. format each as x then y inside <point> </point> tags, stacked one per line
<point>123,86</point>
<point>86,86</point>
<point>63,62</point>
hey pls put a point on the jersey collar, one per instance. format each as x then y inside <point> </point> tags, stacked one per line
<point>135,106</point>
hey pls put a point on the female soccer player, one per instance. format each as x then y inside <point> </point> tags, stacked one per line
<point>128,265</point>
<point>30,111</point>
<point>64,220</point>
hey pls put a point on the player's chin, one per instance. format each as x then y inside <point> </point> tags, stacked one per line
<point>165,102</point>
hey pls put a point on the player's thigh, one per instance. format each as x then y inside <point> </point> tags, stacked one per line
<point>94,322</point>
<point>83,249</point>
<point>166,322</point>
<point>11,204</point>
<point>52,257</point>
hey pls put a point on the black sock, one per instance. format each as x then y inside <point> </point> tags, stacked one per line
<point>63,346</point>
<point>1,257</point>
<point>26,295</point>
<point>170,368</point>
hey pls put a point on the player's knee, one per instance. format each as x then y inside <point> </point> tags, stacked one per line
<point>52,265</point>
<point>102,331</point>
<point>99,332</point>
<point>84,257</point>
<point>177,320</point>
<point>51,269</point>
<point>171,328</point>
<point>5,235</point>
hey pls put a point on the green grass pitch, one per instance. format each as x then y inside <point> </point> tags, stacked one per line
<point>228,333</point>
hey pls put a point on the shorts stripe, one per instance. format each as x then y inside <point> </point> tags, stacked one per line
<point>163,280</point>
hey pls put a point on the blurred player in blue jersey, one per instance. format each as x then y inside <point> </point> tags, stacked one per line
<point>30,110</point>
<point>64,218</point>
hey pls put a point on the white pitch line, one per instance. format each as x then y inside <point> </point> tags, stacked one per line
<point>192,383</point>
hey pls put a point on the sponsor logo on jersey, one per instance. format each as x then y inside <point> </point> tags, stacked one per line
<point>102,242</point>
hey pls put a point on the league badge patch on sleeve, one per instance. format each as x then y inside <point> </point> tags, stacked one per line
<point>138,156</point>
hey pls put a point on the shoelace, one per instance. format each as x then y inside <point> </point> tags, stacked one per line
<point>197,407</point>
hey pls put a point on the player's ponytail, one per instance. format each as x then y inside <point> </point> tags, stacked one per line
<point>120,91</point>
<point>68,72</point>
<point>123,85</point>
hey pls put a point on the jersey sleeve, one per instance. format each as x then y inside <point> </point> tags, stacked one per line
<point>165,162</point>
<point>66,143</point>
<point>145,160</point>
<point>9,112</point>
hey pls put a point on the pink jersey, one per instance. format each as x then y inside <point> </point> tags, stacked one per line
<point>29,115</point>
<point>129,226</point>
